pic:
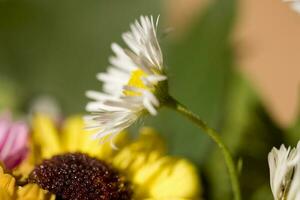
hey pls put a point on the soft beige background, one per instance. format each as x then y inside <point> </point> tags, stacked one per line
<point>267,38</point>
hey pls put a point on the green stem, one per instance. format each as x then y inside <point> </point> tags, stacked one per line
<point>175,105</point>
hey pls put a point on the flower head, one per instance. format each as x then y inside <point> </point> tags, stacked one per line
<point>134,83</point>
<point>284,166</point>
<point>68,160</point>
<point>13,141</point>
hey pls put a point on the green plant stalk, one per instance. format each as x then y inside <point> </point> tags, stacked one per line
<point>213,134</point>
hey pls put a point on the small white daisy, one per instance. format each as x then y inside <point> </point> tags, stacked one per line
<point>284,166</point>
<point>135,81</point>
<point>295,4</point>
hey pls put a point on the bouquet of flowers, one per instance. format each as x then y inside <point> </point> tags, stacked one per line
<point>228,148</point>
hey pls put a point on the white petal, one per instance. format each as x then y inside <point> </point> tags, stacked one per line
<point>149,107</point>
<point>99,96</point>
<point>156,78</point>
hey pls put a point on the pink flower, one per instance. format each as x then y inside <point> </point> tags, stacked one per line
<point>13,141</point>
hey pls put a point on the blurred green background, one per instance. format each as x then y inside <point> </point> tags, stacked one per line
<point>57,47</point>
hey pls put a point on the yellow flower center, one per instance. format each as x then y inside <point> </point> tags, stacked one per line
<point>159,89</point>
<point>137,82</point>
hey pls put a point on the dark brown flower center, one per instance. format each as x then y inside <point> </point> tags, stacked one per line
<point>76,176</point>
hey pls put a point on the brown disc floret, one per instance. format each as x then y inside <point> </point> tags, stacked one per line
<point>76,176</point>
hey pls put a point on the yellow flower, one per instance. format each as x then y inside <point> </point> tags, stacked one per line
<point>10,191</point>
<point>142,162</point>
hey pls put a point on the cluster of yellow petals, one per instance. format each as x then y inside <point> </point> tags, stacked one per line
<point>153,174</point>
<point>48,140</point>
<point>10,191</point>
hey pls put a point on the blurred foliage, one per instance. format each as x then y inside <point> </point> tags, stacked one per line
<point>250,134</point>
<point>293,135</point>
<point>10,94</point>
<point>57,47</point>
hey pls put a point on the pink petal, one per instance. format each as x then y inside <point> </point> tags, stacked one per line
<point>13,136</point>
<point>13,161</point>
<point>20,142</point>
<point>5,124</point>
<point>13,141</point>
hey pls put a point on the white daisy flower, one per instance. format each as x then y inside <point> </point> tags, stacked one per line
<point>135,82</point>
<point>284,164</point>
<point>295,4</point>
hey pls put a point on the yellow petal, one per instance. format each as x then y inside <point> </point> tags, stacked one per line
<point>33,192</point>
<point>176,179</point>
<point>46,136</point>
<point>5,195</point>
<point>76,139</point>
<point>73,134</point>
<point>7,183</point>
<point>144,177</point>
<point>103,149</point>
<point>152,140</point>
<point>147,148</point>
<point>148,141</point>
<point>130,161</point>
